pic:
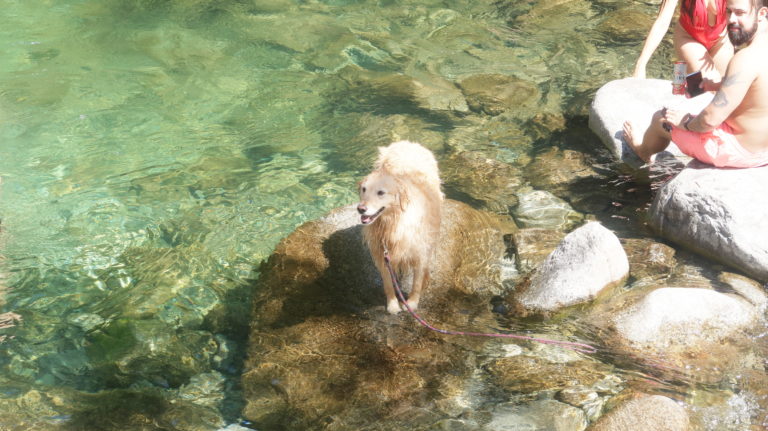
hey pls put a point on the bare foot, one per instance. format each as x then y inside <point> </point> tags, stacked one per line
<point>634,143</point>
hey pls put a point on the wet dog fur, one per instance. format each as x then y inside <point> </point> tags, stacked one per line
<point>400,208</point>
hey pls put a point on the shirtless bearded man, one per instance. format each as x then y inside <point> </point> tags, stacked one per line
<point>732,131</point>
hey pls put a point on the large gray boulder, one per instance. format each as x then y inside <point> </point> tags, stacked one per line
<point>720,213</point>
<point>636,100</point>
<point>587,261</point>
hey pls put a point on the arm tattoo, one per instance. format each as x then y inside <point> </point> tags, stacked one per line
<point>720,100</point>
<point>731,80</point>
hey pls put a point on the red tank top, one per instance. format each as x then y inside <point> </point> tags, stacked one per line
<point>698,26</point>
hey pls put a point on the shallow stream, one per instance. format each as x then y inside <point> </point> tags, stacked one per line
<point>154,152</point>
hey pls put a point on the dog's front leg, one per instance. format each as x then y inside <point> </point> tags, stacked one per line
<point>420,279</point>
<point>393,305</point>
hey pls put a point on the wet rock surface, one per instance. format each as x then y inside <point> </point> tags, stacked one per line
<point>557,169</point>
<point>323,351</point>
<point>670,319</point>
<point>483,179</point>
<point>645,412</point>
<point>533,245</point>
<point>325,355</point>
<point>539,208</point>
<point>493,94</point>
<point>648,258</point>
<point>544,414</point>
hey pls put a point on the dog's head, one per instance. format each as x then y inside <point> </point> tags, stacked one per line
<point>379,193</point>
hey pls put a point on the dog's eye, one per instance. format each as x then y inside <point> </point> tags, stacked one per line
<point>363,189</point>
<point>380,193</point>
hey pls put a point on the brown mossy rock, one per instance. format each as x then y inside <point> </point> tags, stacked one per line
<point>544,124</point>
<point>143,408</point>
<point>343,371</point>
<point>648,258</point>
<point>484,179</point>
<point>494,94</point>
<point>626,24</point>
<point>529,374</point>
<point>323,352</point>
<point>323,267</point>
<point>557,169</point>
<point>533,245</point>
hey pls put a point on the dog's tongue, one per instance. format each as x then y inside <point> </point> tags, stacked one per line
<point>365,219</point>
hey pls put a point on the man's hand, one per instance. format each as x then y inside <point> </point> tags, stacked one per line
<point>711,82</point>
<point>676,118</point>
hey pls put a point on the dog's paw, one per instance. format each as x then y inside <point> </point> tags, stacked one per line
<point>393,307</point>
<point>413,304</point>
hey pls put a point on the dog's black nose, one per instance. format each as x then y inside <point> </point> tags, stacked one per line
<point>362,209</point>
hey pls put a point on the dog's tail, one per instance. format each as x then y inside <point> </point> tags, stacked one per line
<point>408,159</point>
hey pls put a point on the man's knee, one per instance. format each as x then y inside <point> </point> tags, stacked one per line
<point>659,123</point>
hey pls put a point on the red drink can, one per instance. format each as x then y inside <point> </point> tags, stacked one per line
<point>678,80</point>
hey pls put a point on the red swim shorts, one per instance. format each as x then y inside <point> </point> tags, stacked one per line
<point>718,147</point>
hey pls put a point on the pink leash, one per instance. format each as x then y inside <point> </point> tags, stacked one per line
<point>578,347</point>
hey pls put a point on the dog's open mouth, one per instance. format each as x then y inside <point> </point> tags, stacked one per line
<point>367,219</point>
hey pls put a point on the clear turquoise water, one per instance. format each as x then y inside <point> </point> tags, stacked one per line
<point>154,152</point>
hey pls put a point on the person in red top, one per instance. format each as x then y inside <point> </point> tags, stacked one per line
<point>699,38</point>
<point>732,131</point>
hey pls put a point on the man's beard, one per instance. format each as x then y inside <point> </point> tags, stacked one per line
<point>739,36</point>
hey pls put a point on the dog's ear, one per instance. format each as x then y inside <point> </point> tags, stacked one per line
<point>402,195</point>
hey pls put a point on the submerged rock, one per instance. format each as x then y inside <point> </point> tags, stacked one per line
<point>547,415</point>
<point>539,208</point>
<point>648,258</point>
<point>683,319</point>
<point>493,94</point>
<point>556,170</point>
<point>751,290</point>
<point>626,24</point>
<point>719,213</point>
<point>644,412</point>
<point>589,260</point>
<point>484,179</point>
<point>126,352</point>
<point>528,374</point>
<point>533,245</point>
<point>321,338</point>
<point>684,333</point>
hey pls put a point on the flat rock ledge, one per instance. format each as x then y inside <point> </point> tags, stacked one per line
<point>636,100</point>
<point>685,332</point>
<point>719,213</point>
<point>587,261</point>
<point>684,317</point>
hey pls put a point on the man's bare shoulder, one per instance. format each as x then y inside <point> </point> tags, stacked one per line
<point>752,58</point>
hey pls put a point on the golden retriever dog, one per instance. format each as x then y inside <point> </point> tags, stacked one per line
<point>400,208</point>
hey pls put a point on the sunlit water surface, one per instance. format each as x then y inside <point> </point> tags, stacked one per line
<point>154,152</point>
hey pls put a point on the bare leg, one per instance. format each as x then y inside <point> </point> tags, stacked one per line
<point>712,63</point>
<point>420,279</point>
<point>655,139</point>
